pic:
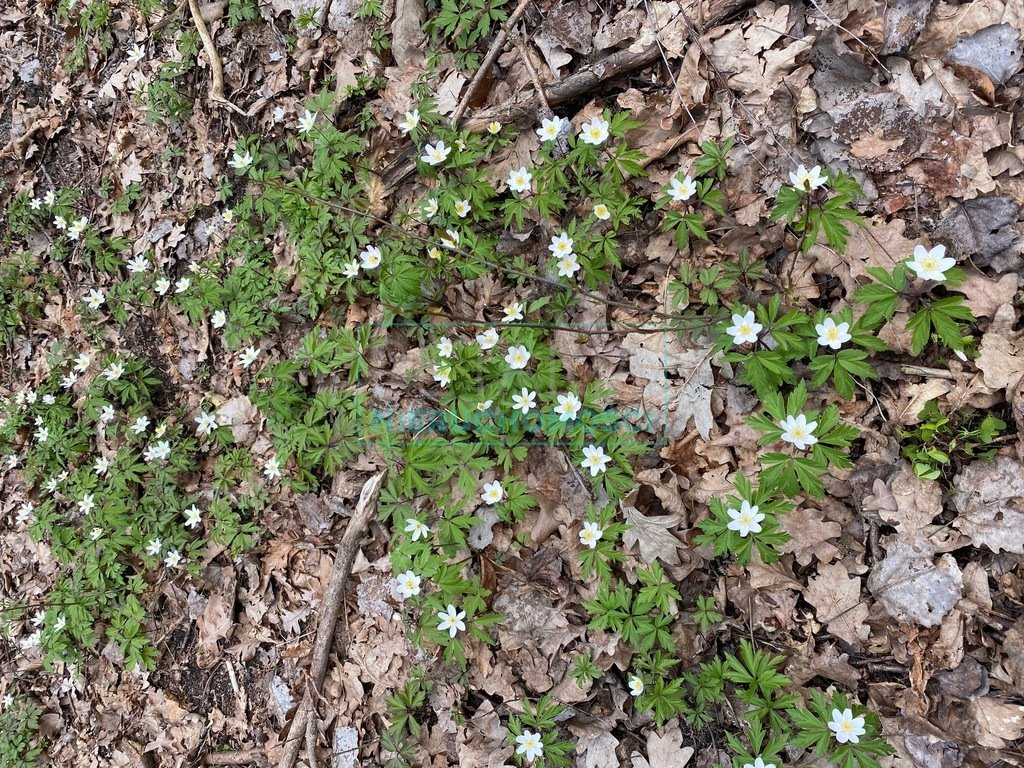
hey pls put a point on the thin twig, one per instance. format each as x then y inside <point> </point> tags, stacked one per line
<point>216,68</point>
<point>497,45</point>
<point>343,559</point>
<point>836,24</point>
<point>517,41</point>
<point>668,67</point>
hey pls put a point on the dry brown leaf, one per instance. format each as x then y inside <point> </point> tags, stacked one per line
<point>668,405</point>
<point>214,624</point>
<point>916,397</point>
<point>131,170</point>
<point>999,722</point>
<point>836,596</point>
<point>809,533</point>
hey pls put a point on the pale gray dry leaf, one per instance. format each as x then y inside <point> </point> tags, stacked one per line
<point>883,132</point>
<point>601,752</point>
<point>990,502</point>
<point>904,20</point>
<point>481,535</point>
<point>912,587</point>
<point>448,92</point>
<point>836,598</point>
<point>930,751</point>
<point>670,403</point>
<point>345,747</point>
<point>987,229</point>
<point>281,696</point>
<point>908,582</point>
<point>994,50</point>
<point>243,418</point>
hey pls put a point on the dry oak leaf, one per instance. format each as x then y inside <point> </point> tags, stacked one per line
<point>990,500</point>
<point>600,753</point>
<point>918,396</point>
<point>654,534</point>
<point>836,596</point>
<point>665,749</point>
<point>985,295</point>
<point>999,355</point>
<point>688,394</point>
<point>809,533</point>
<point>214,624</point>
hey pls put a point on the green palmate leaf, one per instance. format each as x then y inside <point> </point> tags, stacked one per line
<point>788,204</point>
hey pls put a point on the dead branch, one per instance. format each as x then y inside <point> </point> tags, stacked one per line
<point>311,742</point>
<point>343,559</point>
<point>216,68</point>
<point>497,46</point>
<point>519,110</point>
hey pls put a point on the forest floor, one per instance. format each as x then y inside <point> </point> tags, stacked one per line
<point>285,302</point>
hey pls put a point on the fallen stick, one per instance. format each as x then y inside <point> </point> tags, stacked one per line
<point>497,46</point>
<point>248,757</point>
<point>516,109</point>
<point>216,67</point>
<point>343,559</point>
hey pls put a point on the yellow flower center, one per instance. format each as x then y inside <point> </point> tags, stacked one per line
<point>929,264</point>
<point>832,334</point>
